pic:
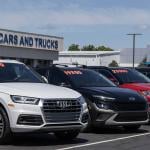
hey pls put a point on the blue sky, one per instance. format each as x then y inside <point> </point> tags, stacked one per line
<point>97,22</point>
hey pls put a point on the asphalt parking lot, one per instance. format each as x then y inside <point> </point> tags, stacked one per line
<point>105,139</point>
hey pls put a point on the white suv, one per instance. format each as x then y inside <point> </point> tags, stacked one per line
<point>27,104</point>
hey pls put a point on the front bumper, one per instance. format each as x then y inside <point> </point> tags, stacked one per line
<point>21,118</point>
<point>48,127</point>
<point>118,118</point>
<point>113,121</point>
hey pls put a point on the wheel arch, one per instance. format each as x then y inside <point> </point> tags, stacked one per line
<point>1,105</point>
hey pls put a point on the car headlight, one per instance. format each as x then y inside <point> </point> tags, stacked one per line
<point>103,102</point>
<point>82,100</point>
<point>104,98</point>
<point>25,100</point>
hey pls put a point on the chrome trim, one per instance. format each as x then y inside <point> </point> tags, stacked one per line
<point>53,113</point>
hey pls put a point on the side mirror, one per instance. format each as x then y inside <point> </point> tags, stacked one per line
<point>45,79</point>
<point>114,81</point>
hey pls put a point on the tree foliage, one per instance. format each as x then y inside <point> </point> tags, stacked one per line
<point>90,47</point>
<point>113,64</point>
<point>142,63</point>
<point>74,47</point>
<point>103,48</point>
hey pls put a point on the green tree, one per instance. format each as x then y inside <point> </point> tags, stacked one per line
<point>88,48</point>
<point>74,47</point>
<point>103,48</point>
<point>113,64</point>
<point>142,63</point>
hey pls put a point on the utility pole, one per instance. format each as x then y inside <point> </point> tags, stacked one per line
<point>134,35</point>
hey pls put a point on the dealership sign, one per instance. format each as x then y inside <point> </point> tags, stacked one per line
<point>27,40</point>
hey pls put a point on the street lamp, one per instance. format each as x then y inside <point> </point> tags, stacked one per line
<point>134,35</point>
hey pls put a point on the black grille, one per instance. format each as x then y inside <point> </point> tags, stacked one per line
<point>130,106</point>
<point>131,116</point>
<point>61,110</point>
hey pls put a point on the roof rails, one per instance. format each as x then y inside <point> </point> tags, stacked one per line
<point>62,65</point>
<point>70,64</point>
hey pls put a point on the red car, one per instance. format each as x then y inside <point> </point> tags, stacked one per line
<point>127,78</point>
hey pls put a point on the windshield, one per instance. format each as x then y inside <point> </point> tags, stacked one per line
<point>130,76</point>
<point>11,72</point>
<point>88,78</point>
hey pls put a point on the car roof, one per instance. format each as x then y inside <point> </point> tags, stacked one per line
<point>108,68</point>
<point>64,67</point>
<point>72,68</point>
<point>117,68</point>
<point>97,67</point>
<point>10,61</point>
<point>143,68</point>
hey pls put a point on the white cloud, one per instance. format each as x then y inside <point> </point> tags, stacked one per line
<point>143,27</point>
<point>74,16</point>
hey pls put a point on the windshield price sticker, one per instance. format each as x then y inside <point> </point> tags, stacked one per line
<point>120,71</point>
<point>71,72</point>
<point>2,65</point>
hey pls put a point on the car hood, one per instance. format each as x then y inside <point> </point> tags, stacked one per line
<point>39,90</point>
<point>136,86</point>
<point>122,95</point>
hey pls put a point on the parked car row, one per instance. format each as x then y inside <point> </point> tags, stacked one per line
<point>127,78</point>
<point>108,104</point>
<point>75,99</point>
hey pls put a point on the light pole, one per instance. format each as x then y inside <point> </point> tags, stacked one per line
<point>134,35</point>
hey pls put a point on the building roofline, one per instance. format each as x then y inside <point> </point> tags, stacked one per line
<point>35,34</point>
<point>89,53</point>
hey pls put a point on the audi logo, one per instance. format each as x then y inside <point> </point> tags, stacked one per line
<point>63,104</point>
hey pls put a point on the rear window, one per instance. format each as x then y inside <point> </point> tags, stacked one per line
<point>130,76</point>
<point>144,71</point>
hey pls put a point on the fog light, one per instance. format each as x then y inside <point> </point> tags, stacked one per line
<point>34,120</point>
<point>85,118</point>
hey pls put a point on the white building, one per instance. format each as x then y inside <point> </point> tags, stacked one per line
<point>126,56</point>
<point>96,58</point>
<point>32,49</point>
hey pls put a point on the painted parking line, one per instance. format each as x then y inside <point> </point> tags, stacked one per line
<point>106,141</point>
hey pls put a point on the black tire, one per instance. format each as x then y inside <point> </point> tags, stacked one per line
<point>5,131</point>
<point>131,127</point>
<point>67,135</point>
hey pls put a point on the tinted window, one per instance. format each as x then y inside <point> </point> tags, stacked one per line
<point>130,76</point>
<point>107,74</point>
<point>42,72</point>
<point>11,72</point>
<point>58,78</point>
<point>87,78</point>
<point>148,74</point>
<point>144,71</point>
